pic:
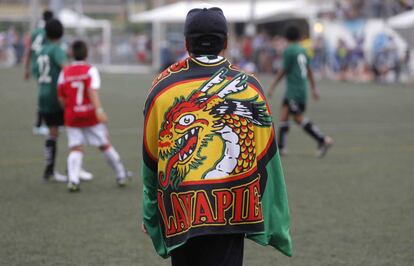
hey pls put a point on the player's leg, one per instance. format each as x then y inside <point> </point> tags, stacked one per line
<point>75,159</point>
<point>50,150</point>
<point>223,250</point>
<point>76,140</point>
<point>283,128</point>
<point>53,121</point>
<point>98,136</point>
<point>39,128</point>
<point>114,160</point>
<point>309,128</point>
<point>324,142</point>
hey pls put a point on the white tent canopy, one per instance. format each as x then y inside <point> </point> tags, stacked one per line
<point>236,11</point>
<point>404,24</point>
<point>402,21</point>
<point>72,19</point>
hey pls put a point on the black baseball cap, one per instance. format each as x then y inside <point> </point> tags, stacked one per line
<point>205,21</point>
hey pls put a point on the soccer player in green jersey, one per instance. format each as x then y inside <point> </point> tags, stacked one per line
<point>50,60</point>
<point>34,46</point>
<point>37,40</point>
<point>297,70</point>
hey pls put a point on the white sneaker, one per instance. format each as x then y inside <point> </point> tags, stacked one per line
<point>40,131</point>
<point>58,177</point>
<point>123,181</point>
<point>85,176</point>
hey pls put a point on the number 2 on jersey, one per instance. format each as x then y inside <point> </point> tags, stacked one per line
<point>302,61</point>
<point>80,86</point>
<point>43,63</point>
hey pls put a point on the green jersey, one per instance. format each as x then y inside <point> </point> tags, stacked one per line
<point>48,65</point>
<point>38,38</point>
<point>295,64</point>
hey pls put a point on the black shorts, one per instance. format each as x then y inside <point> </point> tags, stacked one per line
<point>209,250</point>
<point>53,119</point>
<point>295,108</point>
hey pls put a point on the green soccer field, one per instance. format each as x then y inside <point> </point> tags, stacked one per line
<point>354,207</point>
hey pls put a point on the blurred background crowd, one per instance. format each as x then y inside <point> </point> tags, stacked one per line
<point>359,40</point>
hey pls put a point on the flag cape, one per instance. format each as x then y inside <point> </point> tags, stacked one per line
<point>210,160</point>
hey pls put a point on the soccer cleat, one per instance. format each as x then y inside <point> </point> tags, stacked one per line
<point>58,177</point>
<point>85,176</point>
<point>73,187</point>
<point>324,147</point>
<point>121,181</point>
<point>42,130</point>
<point>48,173</point>
<point>283,152</point>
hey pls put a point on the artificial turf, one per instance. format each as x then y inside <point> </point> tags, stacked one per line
<point>354,207</point>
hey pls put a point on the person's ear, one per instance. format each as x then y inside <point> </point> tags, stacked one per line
<point>225,45</point>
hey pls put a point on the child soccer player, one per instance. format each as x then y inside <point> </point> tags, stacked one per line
<point>297,71</point>
<point>84,116</point>
<point>49,62</point>
<point>33,47</point>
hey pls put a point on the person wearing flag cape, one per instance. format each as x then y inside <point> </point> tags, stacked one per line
<point>211,170</point>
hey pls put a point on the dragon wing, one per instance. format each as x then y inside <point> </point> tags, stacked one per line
<point>254,111</point>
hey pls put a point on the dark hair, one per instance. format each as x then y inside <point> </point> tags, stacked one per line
<point>54,29</point>
<point>79,50</point>
<point>47,15</point>
<point>292,33</point>
<point>206,44</point>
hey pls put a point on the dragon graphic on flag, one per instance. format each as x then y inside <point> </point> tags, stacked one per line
<point>191,123</point>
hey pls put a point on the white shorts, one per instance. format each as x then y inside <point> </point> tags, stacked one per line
<point>95,136</point>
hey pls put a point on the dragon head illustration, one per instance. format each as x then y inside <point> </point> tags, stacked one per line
<point>192,122</point>
<point>187,128</point>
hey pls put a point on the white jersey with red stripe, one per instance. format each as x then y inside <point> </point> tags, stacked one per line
<point>73,84</point>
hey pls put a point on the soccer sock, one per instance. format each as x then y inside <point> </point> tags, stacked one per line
<point>283,130</point>
<point>313,131</point>
<point>74,165</point>
<point>50,150</point>
<point>114,160</point>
